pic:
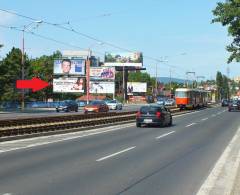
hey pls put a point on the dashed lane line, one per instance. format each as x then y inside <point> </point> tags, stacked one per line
<point>164,135</point>
<point>191,124</point>
<point>115,154</point>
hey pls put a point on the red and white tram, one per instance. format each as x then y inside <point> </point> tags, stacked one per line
<point>191,98</point>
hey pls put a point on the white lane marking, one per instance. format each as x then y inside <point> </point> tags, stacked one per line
<point>115,154</point>
<point>191,124</point>
<point>62,139</point>
<point>204,119</point>
<point>213,115</point>
<point>219,113</point>
<point>98,131</point>
<point>164,135</point>
<point>222,177</point>
<point>74,135</point>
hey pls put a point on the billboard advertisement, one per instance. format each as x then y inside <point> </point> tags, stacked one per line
<point>102,87</point>
<point>68,85</point>
<point>124,59</point>
<point>136,87</point>
<point>102,72</point>
<point>69,67</point>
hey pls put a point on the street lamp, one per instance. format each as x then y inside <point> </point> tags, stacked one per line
<point>25,28</point>
<point>158,61</point>
<point>88,63</point>
<point>187,73</point>
<point>199,77</point>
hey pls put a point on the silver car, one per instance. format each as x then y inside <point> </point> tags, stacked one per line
<point>114,105</point>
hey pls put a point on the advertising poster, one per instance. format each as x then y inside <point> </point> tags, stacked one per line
<point>124,59</point>
<point>102,87</point>
<point>136,87</point>
<point>102,72</point>
<point>68,85</point>
<point>69,67</point>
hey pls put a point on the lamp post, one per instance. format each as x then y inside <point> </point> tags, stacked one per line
<point>158,61</point>
<point>199,77</point>
<point>25,28</point>
<point>88,63</point>
<point>187,73</point>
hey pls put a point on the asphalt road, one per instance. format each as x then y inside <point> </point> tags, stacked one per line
<point>52,112</point>
<point>124,160</point>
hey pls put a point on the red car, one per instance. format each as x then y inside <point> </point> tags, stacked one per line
<point>96,106</point>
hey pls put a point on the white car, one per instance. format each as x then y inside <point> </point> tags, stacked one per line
<point>114,105</point>
<point>170,102</point>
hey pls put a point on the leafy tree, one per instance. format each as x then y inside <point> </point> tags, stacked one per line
<point>228,14</point>
<point>11,67</point>
<point>219,82</point>
<point>42,67</point>
<point>225,86</point>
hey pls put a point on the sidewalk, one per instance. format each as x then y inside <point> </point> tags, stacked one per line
<point>224,179</point>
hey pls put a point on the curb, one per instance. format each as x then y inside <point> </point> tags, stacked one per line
<point>224,177</point>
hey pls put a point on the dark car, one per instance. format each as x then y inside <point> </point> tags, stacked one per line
<point>96,106</point>
<point>154,115</point>
<point>234,105</point>
<point>225,102</point>
<point>150,99</point>
<point>67,105</point>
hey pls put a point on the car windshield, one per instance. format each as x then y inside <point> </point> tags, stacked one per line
<point>150,109</point>
<point>64,103</point>
<point>112,101</point>
<point>95,103</point>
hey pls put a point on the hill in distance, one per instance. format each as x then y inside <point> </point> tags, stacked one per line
<point>167,80</point>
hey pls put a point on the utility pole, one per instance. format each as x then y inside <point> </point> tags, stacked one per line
<point>170,71</point>
<point>199,77</point>
<point>124,96</point>
<point>25,27</point>
<point>88,62</point>
<point>187,73</point>
<point>156,80</point>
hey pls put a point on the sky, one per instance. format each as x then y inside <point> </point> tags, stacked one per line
<point>179,33</point>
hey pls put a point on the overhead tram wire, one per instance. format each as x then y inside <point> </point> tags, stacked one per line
<point>80,33</point>
<point>45,37</point>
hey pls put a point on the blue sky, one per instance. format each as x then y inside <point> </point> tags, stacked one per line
<point>178,31</point>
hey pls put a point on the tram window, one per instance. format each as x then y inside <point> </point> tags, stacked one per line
<point>181,94</point>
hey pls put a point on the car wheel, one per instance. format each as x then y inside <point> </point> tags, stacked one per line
<point>76,110</point>
<point>57,110</point>
<point>138,124</point>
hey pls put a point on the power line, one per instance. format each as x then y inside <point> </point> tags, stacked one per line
<point>45,37</point>
<point>71,29</point>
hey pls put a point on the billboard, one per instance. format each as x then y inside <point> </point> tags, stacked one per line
<point>76,53</point>
<point>124,59</point>
<point>69,67</point>
<point>133,87</point>
<point>67,84</point>
<point>102,72</point>
<point>102,87</point>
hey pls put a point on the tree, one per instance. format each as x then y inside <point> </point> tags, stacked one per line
<point>219,82</point>
<point>225,87</point>
<point>228,14</point>
<point>42,67</point>
<point>10,72</point>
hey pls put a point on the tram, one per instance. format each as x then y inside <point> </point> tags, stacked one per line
<point>191,98</point>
